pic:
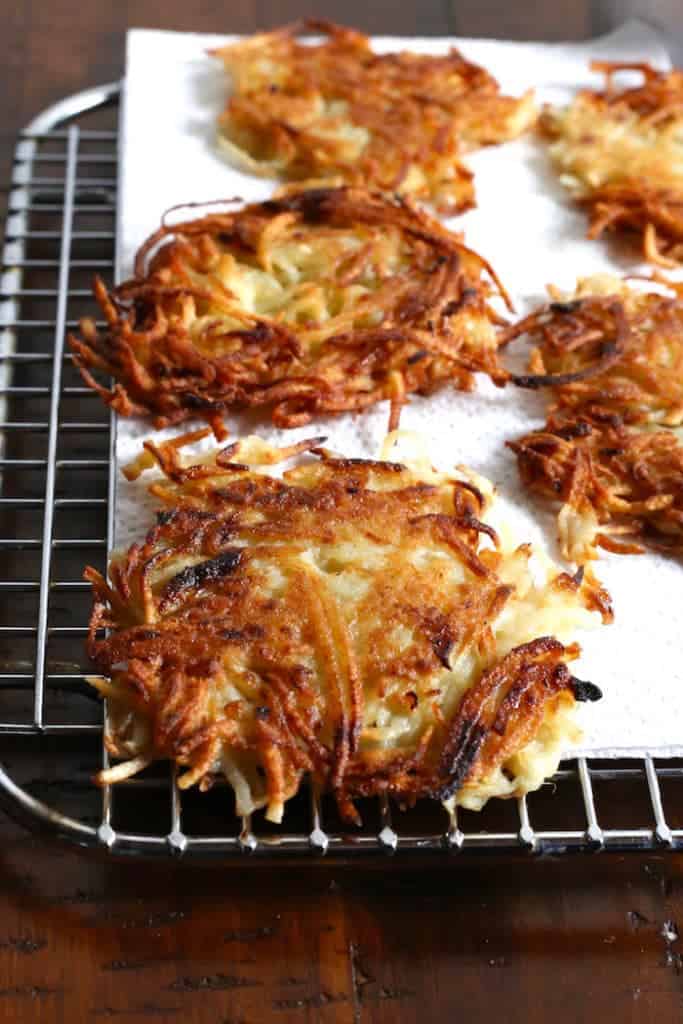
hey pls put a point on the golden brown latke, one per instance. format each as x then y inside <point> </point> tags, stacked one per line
<point>614,481</point>
<point>613,347</point>
<point>620,152</point>
<point>353,621</point>
<point>394,122</point>
<point>322,301</point>
<point>613,356</point>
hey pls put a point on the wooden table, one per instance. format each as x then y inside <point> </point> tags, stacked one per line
<point>89,938</point>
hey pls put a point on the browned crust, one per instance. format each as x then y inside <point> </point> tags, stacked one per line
<point>173,660</point>
<point>618,353</point>
<point>580,341</point>
<point>614,364</point>
<point>418,109</point>
<point>656,214</point>
<point>631,481</point>
<point>420,341</point>
<point>496,717</point>
<point>636,205</point>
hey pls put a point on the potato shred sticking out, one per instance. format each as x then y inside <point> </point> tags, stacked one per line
<point>610,451</point>
<point>395,122</point>
<point>351,621</point>
<point>620,153</point>
<point>319,302</point>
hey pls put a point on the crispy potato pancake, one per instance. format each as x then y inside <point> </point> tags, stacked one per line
<point>318,302</point>
<point>619,486</point>
<point>611,449</point>
<point>394,122</point>
<point>620,153</point>
<point>351,621</point>
<point>611,346</point>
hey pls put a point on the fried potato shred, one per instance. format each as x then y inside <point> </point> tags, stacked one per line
<point>322,301</point>
<point>611,450</point>
<point>397,122</point>
<point>354,622</point>
<point>620,153</point>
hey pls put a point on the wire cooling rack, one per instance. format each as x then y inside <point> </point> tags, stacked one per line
<point>56,490</point>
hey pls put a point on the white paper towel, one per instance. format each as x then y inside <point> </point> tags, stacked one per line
<point>525,225</point>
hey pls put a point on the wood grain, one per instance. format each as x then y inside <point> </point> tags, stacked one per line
<point>85,938</point>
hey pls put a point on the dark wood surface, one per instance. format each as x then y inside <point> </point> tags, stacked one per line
<point>86,938</point>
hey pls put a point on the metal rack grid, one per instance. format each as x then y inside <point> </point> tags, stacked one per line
<point>56,501</point>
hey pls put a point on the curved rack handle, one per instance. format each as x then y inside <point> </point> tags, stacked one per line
<point>72,106</point>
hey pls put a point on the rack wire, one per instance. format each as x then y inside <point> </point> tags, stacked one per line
<point>56,507</point>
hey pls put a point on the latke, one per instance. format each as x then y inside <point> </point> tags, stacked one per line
<point>620,153</point>
<point>396,122</point>
<point>353,621</point>
<point>319,302</point>
<point>612,358</point>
